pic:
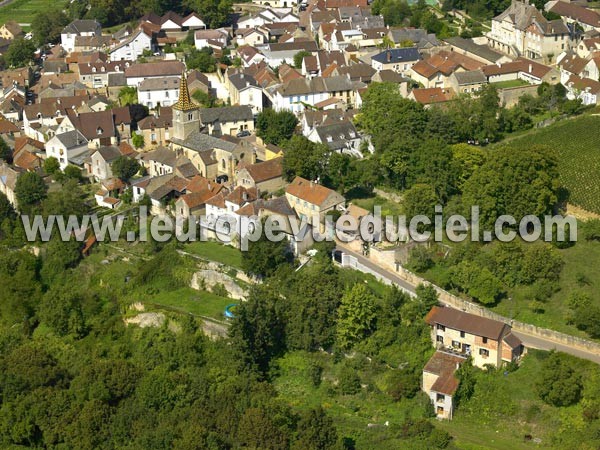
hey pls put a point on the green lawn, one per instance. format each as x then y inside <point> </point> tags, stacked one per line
<point>188,300</point>
<point>580,272</point>
<point>215,251</point>
<point>23,11</point>
<point>510,84</point>
<point>577,142</point>
<point>388,207</point>
<point>481,424</point>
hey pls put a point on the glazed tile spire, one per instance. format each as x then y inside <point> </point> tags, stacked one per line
<point>184,103</point>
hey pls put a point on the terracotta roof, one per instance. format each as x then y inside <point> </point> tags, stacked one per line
<point>7,126</point>
<point>469,323</point>
<point>266,170</point>
<point>519,65</point>
<point>576,12</point>
<point>446,63</point>
<point>311,192</point>
<point>241,195</point>
<point>444,365</point>
<point>512,341</point>
<point>26,160</point>
<point>157,69</point>
<point>583,84</point>
<point>432,95</point>
<point>573,64</point>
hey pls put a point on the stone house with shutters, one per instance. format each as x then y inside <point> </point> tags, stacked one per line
<point>487,341</point>
<point>308,198</point>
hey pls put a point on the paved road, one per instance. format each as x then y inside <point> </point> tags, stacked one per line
<point>527,339</point>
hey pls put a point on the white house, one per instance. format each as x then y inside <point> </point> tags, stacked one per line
<point>131,48</point>
<point>296,94</point>
<point>193,22</point>
<point>136,73</point>
<point>78,28</point>
<point>244,90</point>
<point>153,92</point>
<point>68,148</point>
<point>211,38</point>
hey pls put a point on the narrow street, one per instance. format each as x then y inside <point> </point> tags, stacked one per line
<point>527,339</point>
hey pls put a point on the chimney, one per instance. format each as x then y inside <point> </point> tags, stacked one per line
<point>530,68</point>
<point>499,64</point>
<point>245,196</point>
<point>209,186</point>
<point>389,56</point>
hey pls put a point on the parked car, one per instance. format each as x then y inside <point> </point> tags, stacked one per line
<point>243,133</point>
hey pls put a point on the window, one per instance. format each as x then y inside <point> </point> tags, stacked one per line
<point>441,327</point>
<point>462,334</point>
<point>455,344</point>
<point>484,340</point>
<point>439,339</point>
<point>440,398</point>
<point>484,352</point>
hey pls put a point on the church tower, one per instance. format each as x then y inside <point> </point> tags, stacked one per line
<point>186,114</point>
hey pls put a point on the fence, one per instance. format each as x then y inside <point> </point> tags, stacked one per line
<point>449,299</point>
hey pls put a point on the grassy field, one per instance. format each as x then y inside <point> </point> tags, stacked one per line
<point>580,273</point>
<point>23,11</point>
<point>475,427</point>
<point>215,251</point>
<point>510,84</point>
<point>199,303</point>
<point>578,144</point>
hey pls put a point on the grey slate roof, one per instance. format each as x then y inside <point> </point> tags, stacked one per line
<point>483,51</point>
<point>417,35</point>
<point>396,55</point>
<point>109,153</point>
<point>201,142</point>
<point>162,155</point>
<point>337,135</point>
<point>82,26</point>
<point>470,77</point>
<point>72,139</point>
<point>226,114</point>
<point>302,86</point>
<point>242,81</point>
<point>158,84</point>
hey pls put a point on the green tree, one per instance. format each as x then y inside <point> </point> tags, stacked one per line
<point>356,316</point>
<point>20,52</point>
<point>6,152</point>
<point>69,200</point>
<point>513,181</point>
<point>264,257</point>
<point>304,158</point>
<point>125,168</point>
<point>299,57</point>
<point>257,430</point>
<point>7,211</point>
<point>420,200</point>
<point>73,173</point>
<point>30,190</point>
<point>558,382</point>
<point>60,310</point>
<point>46,26</point>
<point>214,12</point>
<point>316,431</point>
<point>138,140</point>
<point>202,60</point>
<point>51,165</point>
<point>128,96</point>
<point>257,332</point>
<point>274,127</point>
<point>60,256</point>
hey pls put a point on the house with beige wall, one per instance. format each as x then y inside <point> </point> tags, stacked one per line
<point>308,199</point>
<point>440,382</point>
<point>266,176</point>
<point>487,341</point>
